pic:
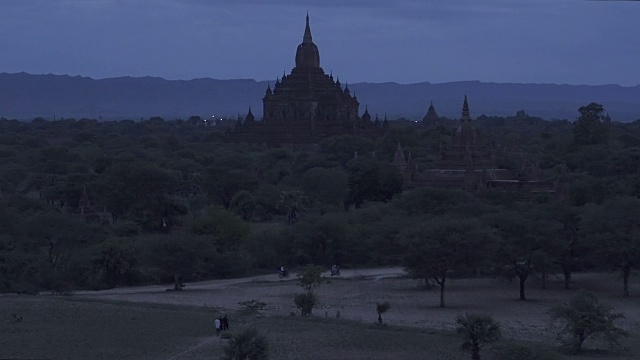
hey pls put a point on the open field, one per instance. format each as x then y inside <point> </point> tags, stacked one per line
<point>150,323</point>
<point>69,328</point>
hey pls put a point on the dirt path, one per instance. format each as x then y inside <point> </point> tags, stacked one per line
<point>355,294</point>
<point>374,273</point>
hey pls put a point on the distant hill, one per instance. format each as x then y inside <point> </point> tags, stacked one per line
<point>26,96</point>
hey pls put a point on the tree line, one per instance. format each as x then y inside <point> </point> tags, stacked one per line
<point>171,201</point>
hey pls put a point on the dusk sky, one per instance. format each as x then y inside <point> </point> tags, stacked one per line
<point>404,41</point>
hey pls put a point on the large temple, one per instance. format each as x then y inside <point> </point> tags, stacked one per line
<point>306,105</point>
<point>471,164</point>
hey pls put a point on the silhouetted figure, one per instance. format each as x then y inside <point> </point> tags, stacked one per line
<point>225,323</point>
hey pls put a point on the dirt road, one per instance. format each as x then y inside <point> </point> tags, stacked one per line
<point>374,273</point>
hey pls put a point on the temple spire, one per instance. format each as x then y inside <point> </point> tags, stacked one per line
<point>432,117</point>
<point>307,54</point>
<point>250,117</point>
<point>307,32</point>
<point>465,110</point>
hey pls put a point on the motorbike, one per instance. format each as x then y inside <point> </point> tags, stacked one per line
<point>283,273</point>
<point>335,272</point>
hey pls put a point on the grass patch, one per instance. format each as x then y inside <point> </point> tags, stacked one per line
<point>77,328</point>
<point>64,328</point>
<point>311,338</point>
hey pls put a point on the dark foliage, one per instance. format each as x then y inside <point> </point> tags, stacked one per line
<point>174,201</point>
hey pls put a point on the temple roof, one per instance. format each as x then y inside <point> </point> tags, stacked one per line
<point>307,79</point>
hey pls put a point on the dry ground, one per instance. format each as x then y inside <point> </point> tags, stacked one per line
<point>177,325</point>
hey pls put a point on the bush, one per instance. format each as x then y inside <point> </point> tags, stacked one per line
<point>477,330</point>
<point>382,308</point>
<point>247,344</point>
<point>584,317</point>
<point>56,280</point>
<point>512,351</point>
<point>305,302</point>
<point>19,273</point>
<point>311,278</point>
<point>252,307</point>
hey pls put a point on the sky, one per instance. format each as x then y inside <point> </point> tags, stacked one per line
<point>403,41</point>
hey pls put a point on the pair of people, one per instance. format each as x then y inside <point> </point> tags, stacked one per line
<point>222,324</point>
<point>335,269</point>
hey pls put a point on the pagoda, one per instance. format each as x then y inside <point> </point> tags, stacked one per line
<point>432,118</point>
<point>307,105</point>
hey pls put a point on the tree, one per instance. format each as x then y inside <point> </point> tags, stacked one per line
<point>243,204</point>
<point>371,180</point>
<point>440,247</point>
<point>342,148</point>
<point>223,182</point>
<point>326,185</point>
<point>19,272</point>
<point>175,255</point>
<point>476,331</point>
<point>528,238</point>
<point>305,303</point>
<point>60,235</point>
<point>116,263</point>
<point>613,229</point>
<point>324,239</point>
<point>309,279</point>
<point>570,245</point>
<point>584,317</point>
<point>142,192</point>
<point>435,201</point>
<point>226,230</point>
<point>292,202</point>
<point>247,344</point>
<point>382,308</point>
<point>589,128</point>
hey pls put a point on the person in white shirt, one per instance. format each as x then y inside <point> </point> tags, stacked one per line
<point>218,323</point>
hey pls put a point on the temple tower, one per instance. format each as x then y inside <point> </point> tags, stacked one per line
<point>306,105</point>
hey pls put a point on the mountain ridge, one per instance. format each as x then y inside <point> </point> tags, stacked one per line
<point>26,96</point>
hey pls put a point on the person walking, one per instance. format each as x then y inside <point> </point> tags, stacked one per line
<point>225,323</point>
<point>218,325</point>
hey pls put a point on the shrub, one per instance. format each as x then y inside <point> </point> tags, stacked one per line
<point>382,308</point>
<point>477,330</point>
<point>311,278</point>
<point>252,307</point>
<point>246,344</point>
<point>512,351</point>
<point>305,302</point>
<point>584,317</point>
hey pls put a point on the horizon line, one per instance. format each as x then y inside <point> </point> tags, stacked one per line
<point>353,83</point>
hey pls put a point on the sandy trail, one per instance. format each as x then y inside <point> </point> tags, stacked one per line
<point>354,296</point>
<point>374,273</point>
